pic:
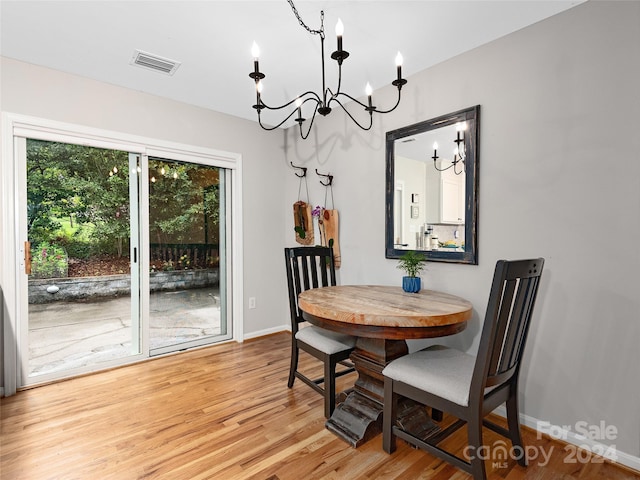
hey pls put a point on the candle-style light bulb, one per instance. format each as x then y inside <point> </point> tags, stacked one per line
<point>255,52</point>
<point>435,146</point>
<point>369,91</point>
<point>399,61</point>
<point>298,105</point>
<point>339,32</point>
<point>259,87</point>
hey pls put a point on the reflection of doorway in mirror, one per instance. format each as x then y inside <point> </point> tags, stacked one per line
<point>398,215</point>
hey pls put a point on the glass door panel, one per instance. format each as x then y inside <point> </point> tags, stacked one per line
<point>187,231</point>
<point>82,230</point>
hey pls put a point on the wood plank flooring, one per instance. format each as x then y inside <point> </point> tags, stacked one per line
<point>223,412</point>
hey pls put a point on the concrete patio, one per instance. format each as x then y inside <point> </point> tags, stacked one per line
<point>65,335</point>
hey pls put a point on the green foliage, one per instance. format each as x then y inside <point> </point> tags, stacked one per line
<point>74,181</point>
<point>49,261</point>
<point>412,263</point>
<point>78,197</point>
<point>183,203</point>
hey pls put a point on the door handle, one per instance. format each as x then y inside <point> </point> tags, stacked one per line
<point>27,258</point>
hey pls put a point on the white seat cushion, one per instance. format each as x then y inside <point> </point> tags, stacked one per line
<point>325,340</point>
<point>439,370</point>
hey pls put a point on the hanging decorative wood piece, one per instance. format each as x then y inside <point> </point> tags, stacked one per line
<point>328,225</point>
<point>302,219</point>
<point>303,223</point>
<point>328,220</point>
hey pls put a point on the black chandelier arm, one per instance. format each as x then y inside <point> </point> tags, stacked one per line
<point>364,105</point>
<point>353,99</point>
<point>314,97</point>
<point>394,107</point>
<point>277,126</point>
<point>313,117</point>
<point>338,92</point>
<point>335,99</point>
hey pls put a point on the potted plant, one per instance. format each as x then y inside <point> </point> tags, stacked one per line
<point>412,263</point>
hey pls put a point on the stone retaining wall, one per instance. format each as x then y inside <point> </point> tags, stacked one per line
<point>65,289</point>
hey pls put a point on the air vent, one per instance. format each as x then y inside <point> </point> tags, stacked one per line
<point>154,62</point>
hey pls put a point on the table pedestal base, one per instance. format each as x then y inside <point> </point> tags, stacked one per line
<point>359,418</point>
<point>356,420</point>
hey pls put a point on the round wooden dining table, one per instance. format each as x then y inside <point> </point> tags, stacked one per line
<point>382,318</point>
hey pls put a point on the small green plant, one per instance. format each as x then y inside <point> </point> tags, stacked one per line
<point>412,263</point>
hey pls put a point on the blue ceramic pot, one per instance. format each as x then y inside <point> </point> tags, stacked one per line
<point>411,284</point>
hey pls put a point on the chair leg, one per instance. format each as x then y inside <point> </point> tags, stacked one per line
<point>329,387</point>
<point>294,363</point>
<point>389,413</point>
<point>474,427</point>
<point>513,420</point>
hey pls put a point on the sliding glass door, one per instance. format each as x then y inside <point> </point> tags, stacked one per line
<point>121,256</point>
<point>81,219</point>
<point>187,252</point>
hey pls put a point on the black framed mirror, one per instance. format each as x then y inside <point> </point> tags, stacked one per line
<point>431,188</point>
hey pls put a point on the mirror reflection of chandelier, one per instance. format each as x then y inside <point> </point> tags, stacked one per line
<point>320,103</point>
<point>459,153</point>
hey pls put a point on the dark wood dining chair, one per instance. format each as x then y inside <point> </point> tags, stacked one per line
<point>465,386</point>
<point>314,267</point>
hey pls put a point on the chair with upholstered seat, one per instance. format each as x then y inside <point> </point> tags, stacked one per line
<point>314,267</point>
<point>469,387</point>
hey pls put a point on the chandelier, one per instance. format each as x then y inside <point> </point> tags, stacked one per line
<point>459,153</point>
<point>320,103</point>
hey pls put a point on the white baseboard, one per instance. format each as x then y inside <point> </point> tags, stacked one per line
<point>267,331</point>
<point>609,452</point>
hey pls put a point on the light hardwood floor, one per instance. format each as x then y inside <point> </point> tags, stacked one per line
<point>222,412</point>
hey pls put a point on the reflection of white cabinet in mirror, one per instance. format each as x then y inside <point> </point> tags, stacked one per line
<point>451,197</point>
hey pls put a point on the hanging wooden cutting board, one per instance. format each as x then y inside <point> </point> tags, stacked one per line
<point>303,223</point>
<point>329,232</point>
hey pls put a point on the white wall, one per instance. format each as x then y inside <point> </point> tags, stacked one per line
<point>559,177</point>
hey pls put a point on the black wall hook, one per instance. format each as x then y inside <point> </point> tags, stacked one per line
<point>329,177</point>
<point>304,171</point>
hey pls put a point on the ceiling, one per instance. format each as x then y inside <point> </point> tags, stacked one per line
<point>212,40</point>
